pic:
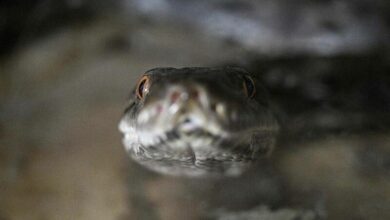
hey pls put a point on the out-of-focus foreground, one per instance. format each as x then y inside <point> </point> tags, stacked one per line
<point>67,68</point>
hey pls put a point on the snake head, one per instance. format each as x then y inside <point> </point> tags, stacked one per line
<point>196,121</point>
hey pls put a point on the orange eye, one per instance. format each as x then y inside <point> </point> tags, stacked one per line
<point>143,87</point>
<point>249,86</point>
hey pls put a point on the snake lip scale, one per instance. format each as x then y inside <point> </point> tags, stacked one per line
<point>198,121</point>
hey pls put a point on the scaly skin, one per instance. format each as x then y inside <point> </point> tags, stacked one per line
<point>199,121</point>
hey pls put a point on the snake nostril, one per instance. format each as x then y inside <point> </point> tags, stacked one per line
<point>185,94</point>
<point>175,96</point>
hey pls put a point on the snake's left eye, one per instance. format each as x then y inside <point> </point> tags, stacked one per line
<point>249,86</point>
<point>143,87</point>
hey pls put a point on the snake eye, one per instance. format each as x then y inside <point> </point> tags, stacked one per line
<point>143,87</point>
<point>249,86</point>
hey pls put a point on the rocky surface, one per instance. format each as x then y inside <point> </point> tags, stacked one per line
<point>268,28</point>
<point>63,91</point>
<point>281,27</point>
<point>266,214</point>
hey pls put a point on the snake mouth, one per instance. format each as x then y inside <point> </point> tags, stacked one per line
<point>186,121</point>
<point>190,135</point>
<point>182,136</point>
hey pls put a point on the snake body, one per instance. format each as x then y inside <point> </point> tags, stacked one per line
<point>198,121</point>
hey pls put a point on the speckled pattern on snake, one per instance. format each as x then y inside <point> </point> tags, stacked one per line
<point>198,121</point>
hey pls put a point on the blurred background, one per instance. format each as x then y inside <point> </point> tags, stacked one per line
<point>67,68</point>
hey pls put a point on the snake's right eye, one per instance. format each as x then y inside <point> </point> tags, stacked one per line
<point>249,87</point>
<point>143,87</point>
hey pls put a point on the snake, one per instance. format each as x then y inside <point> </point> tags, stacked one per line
<point>198,121</point>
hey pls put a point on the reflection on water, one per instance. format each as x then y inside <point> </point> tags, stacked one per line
<point>63,91</point>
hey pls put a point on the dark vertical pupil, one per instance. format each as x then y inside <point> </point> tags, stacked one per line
<point>250,88</point>
<point>141,88</point>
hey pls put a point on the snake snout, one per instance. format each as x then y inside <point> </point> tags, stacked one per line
<point>194,100</point>
<point>186,94</point>
<point>185,107</point>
